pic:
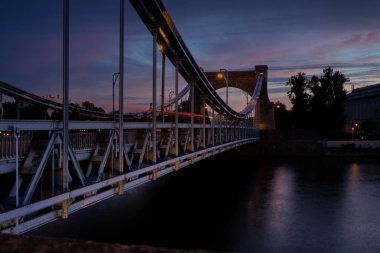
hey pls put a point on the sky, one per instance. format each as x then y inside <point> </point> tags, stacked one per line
<point>289,36</point>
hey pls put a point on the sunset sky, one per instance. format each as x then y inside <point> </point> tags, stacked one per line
<point>288,36</point>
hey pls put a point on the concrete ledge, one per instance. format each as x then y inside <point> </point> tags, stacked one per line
<point>29,244</point>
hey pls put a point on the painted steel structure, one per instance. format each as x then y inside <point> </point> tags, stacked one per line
<point>60,166</point>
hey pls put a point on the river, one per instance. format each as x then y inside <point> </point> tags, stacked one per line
<point>243,204</point>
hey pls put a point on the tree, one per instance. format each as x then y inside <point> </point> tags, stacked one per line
<point>34,112</point>
<point>300,99</point>
<point>319,103</point>
<point>281,116</point>
<point>327,102</point>
<point>12,110</point>
<point>90,106</point>
<point>75,109</point>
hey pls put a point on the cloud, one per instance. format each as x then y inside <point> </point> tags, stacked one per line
<point>285,35</point>
<point>355,41</point>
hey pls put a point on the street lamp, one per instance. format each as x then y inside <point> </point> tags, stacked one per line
<point>358,130</point>
<point>352,130</point>
<point>224,74</point>
<point>114,79</point>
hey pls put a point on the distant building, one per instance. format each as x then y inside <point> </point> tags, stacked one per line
<point>363,112</point>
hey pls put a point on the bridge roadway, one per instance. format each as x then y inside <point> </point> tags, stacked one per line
<point>49,169</point>
<point>105,182</point>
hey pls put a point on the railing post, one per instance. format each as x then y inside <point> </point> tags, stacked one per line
<point>203,110</point>
<point>231,128</point>
<point>192,89</point>
<point>121,89</point>
<point>220,129</point>
<point>1,106</point>
<point>246,127</point>
<point>235,131</point>
<point>226,131</point>
<point>65,142</point>
<point>154,103</point>
<point>213,127</point>
<point>176,108</point>
<point>163,86</point>
<point>16,133</point>
<point>240,130</point>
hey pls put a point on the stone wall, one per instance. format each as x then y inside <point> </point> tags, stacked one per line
<point>282,143</point>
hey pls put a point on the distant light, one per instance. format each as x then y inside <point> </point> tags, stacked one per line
<point>161,47</point>
<point>219,75</point>
<point>163,35</point>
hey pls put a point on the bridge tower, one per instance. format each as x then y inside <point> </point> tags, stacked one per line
<point>246,81</point>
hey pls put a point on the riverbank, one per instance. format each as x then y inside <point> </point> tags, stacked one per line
<point>39,244</point>
<point>305,143</point>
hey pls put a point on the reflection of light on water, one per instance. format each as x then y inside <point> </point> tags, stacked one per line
<point>281,203</point>
<point>354,214</point>
<point>251,204</point>
<point>282,182</point>
<point>355,173</point>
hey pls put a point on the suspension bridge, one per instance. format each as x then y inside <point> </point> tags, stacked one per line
<point>51,168</point>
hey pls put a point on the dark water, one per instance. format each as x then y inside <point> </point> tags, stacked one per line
<point>264,206</point>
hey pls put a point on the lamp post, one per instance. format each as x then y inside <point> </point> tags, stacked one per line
<point>352,131</point>
<point>224,74</point>
<point>356,126</point>
<point>114,79</point>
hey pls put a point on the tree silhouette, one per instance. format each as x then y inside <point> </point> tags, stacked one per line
<point>90,106</point>
<point>300,99</point>
<point>319,103</point>
<point>327,102</point>
<point>25,111</point>
<point>281,116</point>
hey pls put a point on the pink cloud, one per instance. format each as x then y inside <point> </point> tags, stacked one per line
<point>355,40</point>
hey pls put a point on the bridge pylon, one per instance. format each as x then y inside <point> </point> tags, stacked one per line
<point>246,80</point>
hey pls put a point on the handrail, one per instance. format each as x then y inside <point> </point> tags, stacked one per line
<point>154,15</point>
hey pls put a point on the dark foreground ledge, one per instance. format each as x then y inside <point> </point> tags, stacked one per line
<point>36,244</point>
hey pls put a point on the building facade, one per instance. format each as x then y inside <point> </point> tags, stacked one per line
<point>363,112</point>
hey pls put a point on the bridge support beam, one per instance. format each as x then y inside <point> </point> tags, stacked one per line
<point>121,89</point>
<point>154,96</point>
<point>192,91</point>
<point>65,92</point>
<point>1,106</point>
<point>163,86</point>
<point>176,109</point>
<point>264,115</point>
<point>203,110</point>
<point>213,127</point>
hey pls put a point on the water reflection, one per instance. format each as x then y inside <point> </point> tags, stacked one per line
<point>359,219</point>
<point>318,206</point>
<point>280,205</point>
<point>270,206</point>
<point>355,174</point>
